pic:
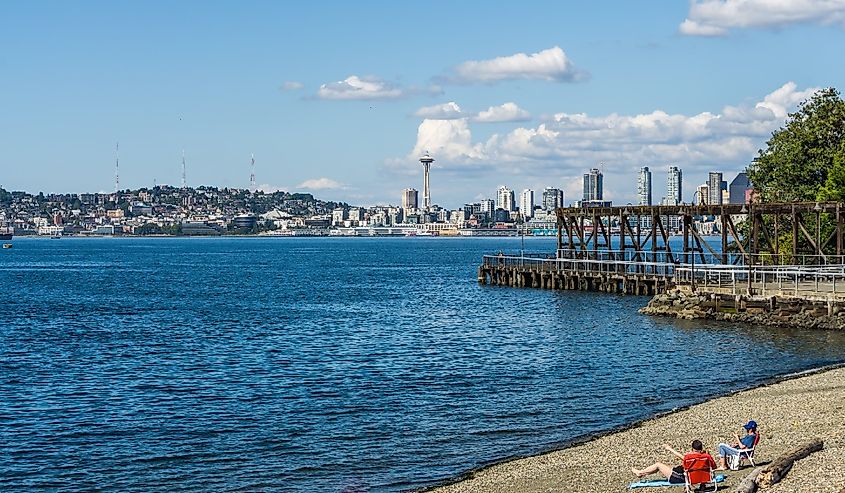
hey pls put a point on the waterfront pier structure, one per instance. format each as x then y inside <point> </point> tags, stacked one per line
<point>649,250</point>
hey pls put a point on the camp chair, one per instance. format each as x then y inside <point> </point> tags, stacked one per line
<point>698,469</point>
<point>735,460</point>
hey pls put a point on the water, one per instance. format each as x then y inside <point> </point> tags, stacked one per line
<point>193,365</point>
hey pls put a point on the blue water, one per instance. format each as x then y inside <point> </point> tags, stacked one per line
<point>339,365</point>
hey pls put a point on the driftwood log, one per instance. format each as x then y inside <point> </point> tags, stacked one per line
<point>775,471</point>
<point>763,477</point>
<point>749,484</point>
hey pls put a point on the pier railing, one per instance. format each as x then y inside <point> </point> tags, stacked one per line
<point>823,282</point>
<point>606,265</point>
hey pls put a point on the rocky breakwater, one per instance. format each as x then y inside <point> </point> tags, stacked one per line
<point>774,310</point>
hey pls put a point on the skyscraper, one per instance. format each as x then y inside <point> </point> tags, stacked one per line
<point>714,188</point>
<point>674,186</point>
<point>738,187</point>
<point>593,187</point>
<point>526,203</point>
<point>410,199</point>
<point>552,199</point>
<point>644,187</point>
<point>505,199</point>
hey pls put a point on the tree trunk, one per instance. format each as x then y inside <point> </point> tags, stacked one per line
<point>778,469</point>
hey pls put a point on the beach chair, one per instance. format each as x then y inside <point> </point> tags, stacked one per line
<point>698,470</point>
<point>735,461</point>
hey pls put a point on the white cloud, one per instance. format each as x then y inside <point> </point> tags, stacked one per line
<point>290,85</point>
<point>321,184</point>
<point>508,112</point>
<point>568,143</point>
<point>354,87</point>
<point>445,111</point>
<point>550,65</point>
<point>717,17</point>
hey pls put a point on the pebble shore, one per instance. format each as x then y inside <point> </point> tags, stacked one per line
<point>789,412</point>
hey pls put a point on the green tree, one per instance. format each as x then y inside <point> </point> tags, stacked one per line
<point>804,159</point>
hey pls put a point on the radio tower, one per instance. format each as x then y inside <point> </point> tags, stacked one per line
<point>426,162</point>
<point>117,167</point>
<point>184,180</point>
<point>252,172</point>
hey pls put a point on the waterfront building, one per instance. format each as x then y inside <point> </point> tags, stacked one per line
<point>356,214</point>
<point>526,204</point>
<point>410,199</point>
<point>593,185</point>
<point>674,186</point>
<point>738,188</point>
<point>644,187</point>
<point>339,215</point>
<point>505,199</point>
<point>714,188</point>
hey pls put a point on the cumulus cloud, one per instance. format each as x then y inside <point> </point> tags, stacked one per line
<point>445,111</point>
<point>718,17</point>
<point>290,85</point>
<point>354,87</point>
<point>508,112</point>
<point>320,184</point>
<point>549,65</point>
<point>568,143</point>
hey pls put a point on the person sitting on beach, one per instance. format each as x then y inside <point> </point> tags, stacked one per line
<point>675,475</point>
<point>736,448</point>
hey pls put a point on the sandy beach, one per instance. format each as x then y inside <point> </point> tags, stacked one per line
<point>789,412</point>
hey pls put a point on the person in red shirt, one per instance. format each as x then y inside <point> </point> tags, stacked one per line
<point>675,475</point>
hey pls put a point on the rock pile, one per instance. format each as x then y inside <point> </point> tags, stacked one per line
<point>760,311</point>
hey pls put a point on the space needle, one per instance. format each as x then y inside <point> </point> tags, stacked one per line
<point>426,162</point>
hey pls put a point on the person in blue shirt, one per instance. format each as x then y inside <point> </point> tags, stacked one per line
<point>746,442</point>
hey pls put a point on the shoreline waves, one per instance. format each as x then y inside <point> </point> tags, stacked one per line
<point>791,409</point>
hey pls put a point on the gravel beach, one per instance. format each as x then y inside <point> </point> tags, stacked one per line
<point>789,412</point>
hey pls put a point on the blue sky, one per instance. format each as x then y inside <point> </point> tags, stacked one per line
<point>338,98</point>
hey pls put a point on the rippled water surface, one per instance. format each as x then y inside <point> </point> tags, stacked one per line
<point>326,364</point>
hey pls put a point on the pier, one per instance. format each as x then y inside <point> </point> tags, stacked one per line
<point>649,250</point>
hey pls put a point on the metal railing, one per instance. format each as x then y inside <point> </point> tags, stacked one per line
<point>593,266</point>
<point>822,282</point>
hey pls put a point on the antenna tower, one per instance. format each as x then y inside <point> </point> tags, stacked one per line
<point>184,180</point>
<point>252,172</point>
<point>117,167</point>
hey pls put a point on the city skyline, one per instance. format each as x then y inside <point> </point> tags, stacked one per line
<point>525,102</point>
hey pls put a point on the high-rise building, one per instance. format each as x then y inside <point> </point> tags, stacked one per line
<point>644,187</point>
<point>714,188</point>
<point>552,199</point>
<point>738,187</point>
<point>487,206</point>
<point>505,199</point>
<point>593,187</point>
<point>702,195</point>
<point>674,186</point>
<point>526,203</point>
<point>410,199</point>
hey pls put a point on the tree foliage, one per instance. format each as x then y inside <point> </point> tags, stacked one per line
<point>805,160</point>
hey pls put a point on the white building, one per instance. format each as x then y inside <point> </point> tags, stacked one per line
<point>644,187</point>
<point>526,203</point>
<point>674,186</point>
<point>505,199</point>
